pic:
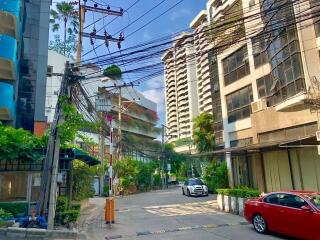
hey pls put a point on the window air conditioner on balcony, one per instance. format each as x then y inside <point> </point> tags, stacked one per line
<point>318,135</point>
<point>259,105</point>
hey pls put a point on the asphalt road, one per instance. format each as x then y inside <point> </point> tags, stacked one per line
<point>165,214</point>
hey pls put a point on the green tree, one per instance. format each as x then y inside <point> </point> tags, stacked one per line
<point>66,14</point>
<point>19,144</point>
<point>203,132</point>
<point>67,49</point>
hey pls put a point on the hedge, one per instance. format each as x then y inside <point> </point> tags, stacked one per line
<point>239,192</point>
<point>70,216</point>
<point>15,208</point>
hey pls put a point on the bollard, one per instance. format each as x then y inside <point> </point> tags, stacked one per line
<point>109,211</point>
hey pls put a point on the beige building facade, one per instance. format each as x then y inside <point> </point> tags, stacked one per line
<point>268,62</point>
<point>180,88</point>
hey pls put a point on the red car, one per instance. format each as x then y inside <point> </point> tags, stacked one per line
<point>293,213</point>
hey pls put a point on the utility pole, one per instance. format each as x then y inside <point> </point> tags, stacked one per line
<point>93,34</point>
<point>48,193</point>
<point>81,23</point>
<point>101,153</point>
<point>119,123</point>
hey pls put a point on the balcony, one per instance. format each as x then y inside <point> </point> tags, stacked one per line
<point>8,58</point>
<point>7,106</point>
<point>10,15</point>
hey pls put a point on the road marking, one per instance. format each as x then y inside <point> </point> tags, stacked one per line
<point>181,229</point>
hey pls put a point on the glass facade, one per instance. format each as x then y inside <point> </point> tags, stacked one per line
<point>283,51</point>
<point>216,99</point>
<point>238,104</point>
<point>236,66</point>
<point>264,85</point>
<point>32,84</point>
<point>260,55</point>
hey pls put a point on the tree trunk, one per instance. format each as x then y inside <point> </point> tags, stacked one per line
<point>65,37</point>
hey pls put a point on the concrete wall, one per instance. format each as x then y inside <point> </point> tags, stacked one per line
<point>270,119</point>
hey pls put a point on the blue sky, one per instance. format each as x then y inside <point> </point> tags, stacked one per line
<point>175,20</point>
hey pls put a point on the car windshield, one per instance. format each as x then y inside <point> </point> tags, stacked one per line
<point>195,182</point>
<point>315,199</point>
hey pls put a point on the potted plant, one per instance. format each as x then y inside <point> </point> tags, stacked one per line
<point>234,206</point>
<point>227,200</point>
<point>244,194</point>
<point>220,199</point>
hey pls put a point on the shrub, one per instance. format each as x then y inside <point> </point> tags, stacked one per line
<point>15,208</point>
<point>62,204</point>
<point>239,192</point>
<point>70,216</point>
<point>75,206</point>
<point>5,215</point>
<point>216,176</point>
<point>157,181</point>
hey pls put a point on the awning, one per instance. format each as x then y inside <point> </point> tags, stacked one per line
<point>306,141</point>
<point>85,157</point>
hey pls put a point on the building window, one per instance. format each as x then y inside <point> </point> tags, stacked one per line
<point>264,86</point>
<point>284,52</point>
<point>238,104</point>
<point>236,66</point>
<point>260,54</point>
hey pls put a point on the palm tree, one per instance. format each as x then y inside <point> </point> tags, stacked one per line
<point>65,13</point>
<point>203,132</point>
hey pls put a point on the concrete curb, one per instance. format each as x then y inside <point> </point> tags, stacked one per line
<point>34,233</point>
<point>181,229</point>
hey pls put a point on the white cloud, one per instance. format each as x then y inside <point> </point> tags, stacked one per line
<point>154,91</point>
<point>180,13</point>
<point>157,96</point>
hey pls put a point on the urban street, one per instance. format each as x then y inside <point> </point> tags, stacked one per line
<point>159,119</point>
<point>165,214</point>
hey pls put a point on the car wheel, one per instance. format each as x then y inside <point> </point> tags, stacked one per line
<point>183,192</point>
<point>189,193</point>
<point>259,223</point>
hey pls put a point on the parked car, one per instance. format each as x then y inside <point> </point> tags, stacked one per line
<point>293,213</point>
<point>194,187</point>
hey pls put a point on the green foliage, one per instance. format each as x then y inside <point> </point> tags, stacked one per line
<point>62,204</point>
<point>57,45</point>
<point>182,142</point>
<point>157,181</point>
<point>74,122</point>
<point>203,132</point>
<point>5,215</point>
<point>113,72</point>
<point>216,175</point>
<point>70,216</point>
<point>15,208</point>
<point>239,192</point>
<point>75,206</point>
<point>66,14</point>
<point>83,178</point>
<point>19,144</point>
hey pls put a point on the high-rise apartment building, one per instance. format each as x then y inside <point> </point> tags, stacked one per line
<point>207,74</point>
<point>181,87</point>
<point>267,56</point>
<point>24,32</point>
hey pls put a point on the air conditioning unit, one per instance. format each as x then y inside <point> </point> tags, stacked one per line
<point>318,135</point>
<point>259,105</point>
